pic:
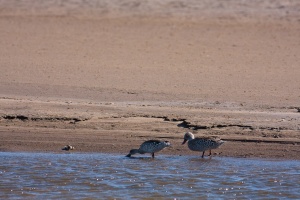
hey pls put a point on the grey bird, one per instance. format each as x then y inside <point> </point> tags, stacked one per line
<point>150,146</point>
<point>202,144</point>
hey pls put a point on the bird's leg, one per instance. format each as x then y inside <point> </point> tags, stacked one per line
<point>152,155</point>
<point>203,154</point>
<point>209,152</point>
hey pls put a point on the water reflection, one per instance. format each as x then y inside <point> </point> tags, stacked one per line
<point>35,175</point>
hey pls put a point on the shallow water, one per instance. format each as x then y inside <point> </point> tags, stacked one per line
<point>77,176</point>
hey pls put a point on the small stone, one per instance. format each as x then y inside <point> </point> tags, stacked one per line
<point>68,147</point>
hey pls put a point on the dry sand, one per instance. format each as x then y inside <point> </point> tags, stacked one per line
<point>105,76</point>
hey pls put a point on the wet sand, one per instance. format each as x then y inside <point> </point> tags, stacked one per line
<point>108,75</point>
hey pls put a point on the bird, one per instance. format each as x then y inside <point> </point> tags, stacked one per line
<point>202,144</point>
<point>150,146</point>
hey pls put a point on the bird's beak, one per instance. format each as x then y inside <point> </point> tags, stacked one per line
<point>184,141</point>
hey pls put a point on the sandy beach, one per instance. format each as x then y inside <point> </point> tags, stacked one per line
<point>104,76</point>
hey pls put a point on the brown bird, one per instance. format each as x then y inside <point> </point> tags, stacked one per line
<point>202,144</point>
<point>150,146</point>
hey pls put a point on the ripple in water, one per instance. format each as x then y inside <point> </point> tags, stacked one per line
<point>74,175</point>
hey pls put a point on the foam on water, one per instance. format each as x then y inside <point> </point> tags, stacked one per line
<point>75,175</point>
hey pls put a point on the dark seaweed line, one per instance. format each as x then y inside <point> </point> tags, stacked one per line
<point>25,118</point>
<point>184,123</point>
<point>188,125</point>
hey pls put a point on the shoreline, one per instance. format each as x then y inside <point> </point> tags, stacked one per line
<point>119,127</point>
